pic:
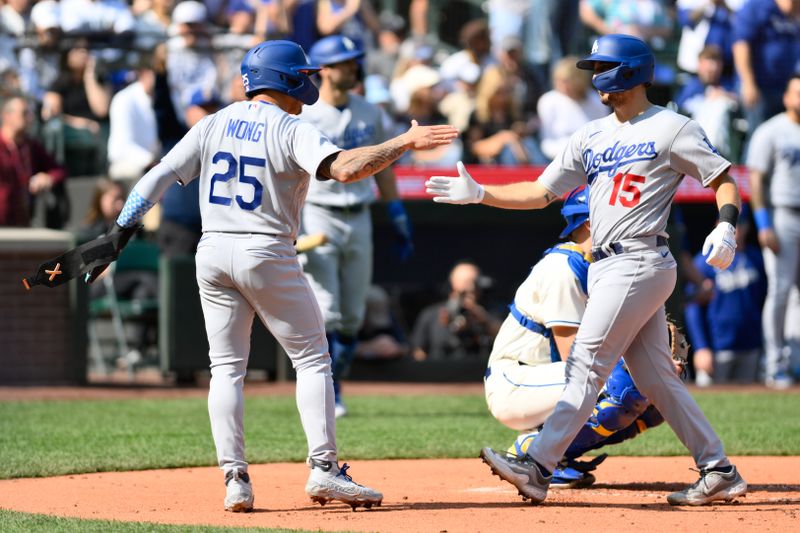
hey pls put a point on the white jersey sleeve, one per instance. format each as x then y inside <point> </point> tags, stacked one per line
<point>692,154</point>
<point>566,171</point>
<point>184,158</point>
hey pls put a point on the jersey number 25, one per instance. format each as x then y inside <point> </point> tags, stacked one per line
<point>237,167</point>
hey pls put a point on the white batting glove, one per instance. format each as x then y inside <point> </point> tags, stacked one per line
<point>461,189</point>
<point>721,243</point>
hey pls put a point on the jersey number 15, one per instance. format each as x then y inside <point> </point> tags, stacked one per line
<point>627,183</point>
<point>240,168</point>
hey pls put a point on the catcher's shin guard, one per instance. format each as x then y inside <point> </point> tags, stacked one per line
<point>620,405</point>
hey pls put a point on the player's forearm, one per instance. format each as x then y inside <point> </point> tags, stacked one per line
<point>145,194</point>
<point>726,191</point>
<point>358,163</point>
<point>741,60</point>
<point>757,190</point>
<point>522,195</point>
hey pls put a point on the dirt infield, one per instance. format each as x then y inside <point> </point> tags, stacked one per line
<point>424,495</point>
<point>420,495</point>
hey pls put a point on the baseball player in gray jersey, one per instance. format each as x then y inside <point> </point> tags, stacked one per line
<point>633,160</point>
<point>774,155</point>
<point>340,271</point>
<point>254,160</point>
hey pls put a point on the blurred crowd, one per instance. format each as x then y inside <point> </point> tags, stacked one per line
<point>103,88</point>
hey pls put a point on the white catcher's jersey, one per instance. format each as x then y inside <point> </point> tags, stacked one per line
<point>633,170</point>
<point>358,124</point>
<point>775,151</point>
<point>254,162</point>
<point>551,295</point>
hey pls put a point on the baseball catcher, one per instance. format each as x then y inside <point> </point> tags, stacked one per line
<point>528,364</point>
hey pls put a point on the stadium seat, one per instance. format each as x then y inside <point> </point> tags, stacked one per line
<point>141,256</point>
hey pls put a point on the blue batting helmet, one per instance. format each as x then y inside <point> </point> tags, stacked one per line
<point>334,49</point>
<point>575,210</point>
<point>282,66</point>
<point>634,59</point>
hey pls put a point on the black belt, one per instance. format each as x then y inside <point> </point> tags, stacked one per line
<point>616,248</point>
<point>346,209</point>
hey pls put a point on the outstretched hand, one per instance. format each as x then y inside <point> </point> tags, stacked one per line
<point>430,137</point>
<point>461,189</point>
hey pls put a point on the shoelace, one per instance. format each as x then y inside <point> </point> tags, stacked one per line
<point>343,473</point>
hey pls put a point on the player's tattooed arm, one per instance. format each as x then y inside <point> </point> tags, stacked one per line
<point>359,163</point>
<point>521,195</point>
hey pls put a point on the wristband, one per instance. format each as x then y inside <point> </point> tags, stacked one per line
<point>761,216</point>
<point>729,213</point>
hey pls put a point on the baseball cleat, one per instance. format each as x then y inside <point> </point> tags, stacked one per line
<point>712,486</point>
<point>328,482</point>
<point>239,493</point>
<point>522,472</point>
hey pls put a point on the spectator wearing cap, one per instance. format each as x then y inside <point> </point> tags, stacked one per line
<point>709,97</point>
<point>133,144</point>
<point>458,105</point>
<point>420,84</point>
<point>190,62</point>
<point>417,78</point>
<point>568,107</point>
<point>476,48</point>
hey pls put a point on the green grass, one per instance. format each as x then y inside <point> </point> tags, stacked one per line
<point>14,522</point>
<point>45,438</point>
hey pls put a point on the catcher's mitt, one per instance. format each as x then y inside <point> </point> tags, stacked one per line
<point>679,348</point>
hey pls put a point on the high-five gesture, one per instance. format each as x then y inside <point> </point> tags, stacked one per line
<point>461,189</point>
<point>429,137</point>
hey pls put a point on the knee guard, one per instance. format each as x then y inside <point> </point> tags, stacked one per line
<point>649,419</point>
<point>620,405</point>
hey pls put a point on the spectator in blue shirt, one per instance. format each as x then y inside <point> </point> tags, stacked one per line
<point>766,53</point>
<point>726,332</point>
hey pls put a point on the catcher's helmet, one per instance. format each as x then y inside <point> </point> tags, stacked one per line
<point>334,49</point>
<point>575,210</point>
<point>282,66</point>
<point>635,63</point>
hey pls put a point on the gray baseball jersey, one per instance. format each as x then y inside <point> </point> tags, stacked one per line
<point>358,124</point>
<point>634,170</point>
<point>775,151</point>
<point>256,163</point>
